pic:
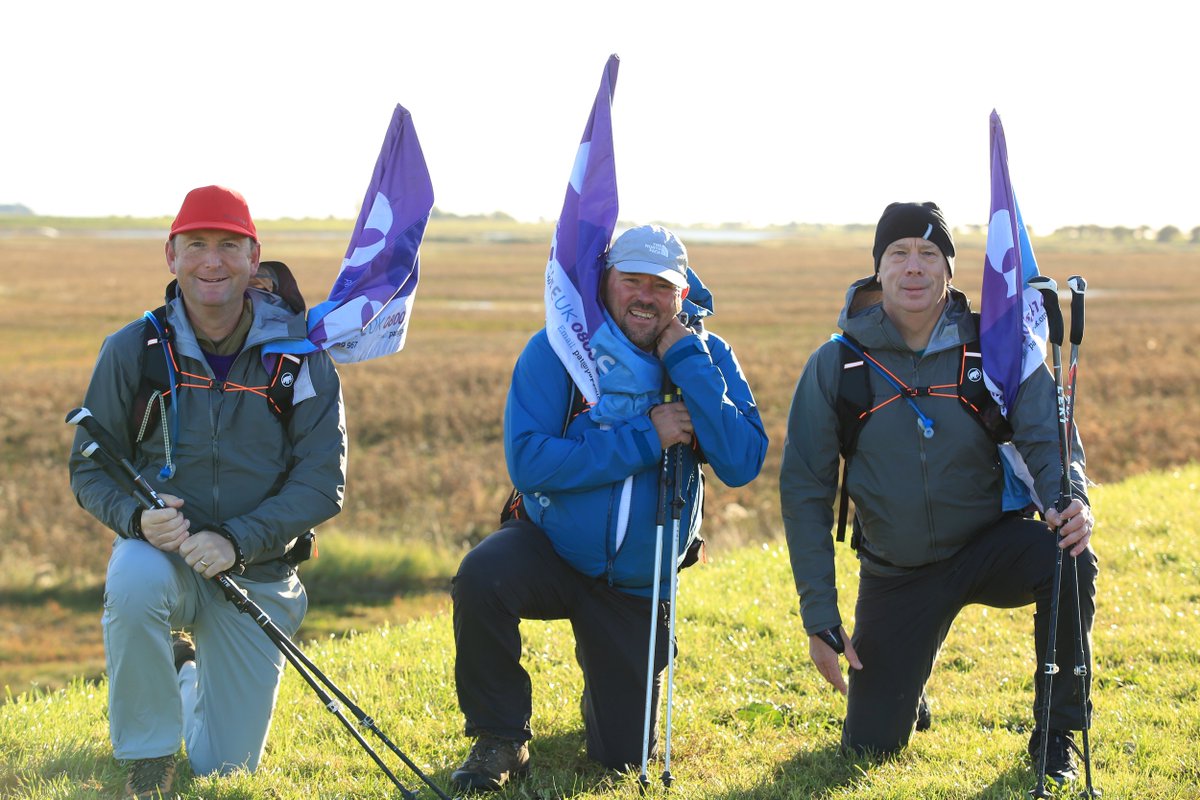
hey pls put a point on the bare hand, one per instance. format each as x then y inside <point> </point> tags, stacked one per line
<point>827,660</point>
<point>208,553</point>
<point>1074,525</point>
<point>671,334</point>
<point>673,424</point>
<point>165,528</point>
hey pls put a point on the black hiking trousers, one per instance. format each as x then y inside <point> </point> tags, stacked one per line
<point>901,622</point>
<point>515,574</point>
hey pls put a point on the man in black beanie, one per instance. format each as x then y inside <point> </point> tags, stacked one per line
<point>924,472</point>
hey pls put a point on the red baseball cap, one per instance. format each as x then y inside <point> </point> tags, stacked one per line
<point>214,208</point>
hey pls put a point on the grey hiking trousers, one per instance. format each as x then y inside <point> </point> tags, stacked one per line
<point>222,707</point>
<point>901,622</point>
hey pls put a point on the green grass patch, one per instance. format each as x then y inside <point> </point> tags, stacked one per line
<point>351,569</point>
<point>752,717</point>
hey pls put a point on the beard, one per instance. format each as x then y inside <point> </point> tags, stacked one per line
<point>644,336</point>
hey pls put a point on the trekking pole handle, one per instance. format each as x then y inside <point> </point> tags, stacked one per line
<point>84,418</point>
<point>112,449</point>
<point>1054,319</point>
<point>1078,287</point>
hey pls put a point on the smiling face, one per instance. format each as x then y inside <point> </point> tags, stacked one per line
<point>642,305</point>
<point>213,268</point>
<point>915,278</point>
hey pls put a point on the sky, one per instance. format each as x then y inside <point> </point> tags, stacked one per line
<point>755,112</point>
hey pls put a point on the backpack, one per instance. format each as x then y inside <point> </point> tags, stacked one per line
<point>854,405</point>
<point>160,376</point>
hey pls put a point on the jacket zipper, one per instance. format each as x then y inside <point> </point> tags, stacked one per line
<point>610,545</point>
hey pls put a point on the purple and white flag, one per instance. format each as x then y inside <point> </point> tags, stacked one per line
<point>1012,328</point>
<point>367,313</point>
<point>581,237</point>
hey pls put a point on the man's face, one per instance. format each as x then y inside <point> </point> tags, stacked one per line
<point>914,275</point>
<point>642,305</point>
<point>213,267</point>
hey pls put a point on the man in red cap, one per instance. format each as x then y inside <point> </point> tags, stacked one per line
<point>245,483</point>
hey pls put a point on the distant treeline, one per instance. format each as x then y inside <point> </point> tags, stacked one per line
<point>22,216</point>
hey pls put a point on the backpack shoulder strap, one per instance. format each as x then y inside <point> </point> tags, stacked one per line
<point>853,409</point>
<point>281,391</point>
<point>975,396</point>
<point>155,384</point>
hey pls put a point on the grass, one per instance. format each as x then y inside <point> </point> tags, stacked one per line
<point>752,717</point>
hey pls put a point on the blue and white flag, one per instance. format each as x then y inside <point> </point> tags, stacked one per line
<point>369,306</point>
<point>589,214</point>
<point>1012,327</point>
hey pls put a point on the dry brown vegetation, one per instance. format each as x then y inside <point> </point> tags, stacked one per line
<point>426,457</point>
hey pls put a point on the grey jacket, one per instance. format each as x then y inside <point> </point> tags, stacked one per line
<point>237,465</point>
<point>917,500</point>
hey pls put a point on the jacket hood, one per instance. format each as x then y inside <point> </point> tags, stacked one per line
<point>862,317</point>
<point>699,301</point>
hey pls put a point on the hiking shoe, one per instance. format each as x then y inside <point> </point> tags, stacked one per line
<point>924,717</point>
<point>183,648</point>
<point>491,763</point>
<point>150,778</point>
<point>1060,761</point>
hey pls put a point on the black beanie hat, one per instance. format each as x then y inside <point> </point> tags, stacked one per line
<point>915,220</point>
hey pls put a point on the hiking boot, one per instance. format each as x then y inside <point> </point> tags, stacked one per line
<point>150,778</point>
<point>924,717</point>
<point>183,649</point>
<point>1060,761</point>
<point>491,763</point>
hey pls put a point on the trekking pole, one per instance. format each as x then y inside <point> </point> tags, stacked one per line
<point>1082,658</point>
<point>676,513</point>
<point>103,451</point>
<point>1049,291</point>
<point>660,520</point>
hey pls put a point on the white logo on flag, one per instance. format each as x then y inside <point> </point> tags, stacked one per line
<point>998,246</point>
<point>380,219</point>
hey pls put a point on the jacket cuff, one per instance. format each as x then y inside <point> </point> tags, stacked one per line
<point>239,560</point>
<point>645,437</point>
<point>134,529</point>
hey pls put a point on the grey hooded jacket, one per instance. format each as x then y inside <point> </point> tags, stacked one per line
<point>237,465</point>
<point>918,500</point>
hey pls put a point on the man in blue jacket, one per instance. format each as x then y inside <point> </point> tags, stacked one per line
<point>580,542</point>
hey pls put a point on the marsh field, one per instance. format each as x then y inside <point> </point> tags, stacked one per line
<point>426,470</point>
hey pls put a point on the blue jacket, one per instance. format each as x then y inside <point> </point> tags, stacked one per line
<point>572,483</point>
